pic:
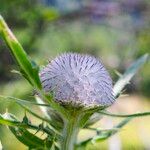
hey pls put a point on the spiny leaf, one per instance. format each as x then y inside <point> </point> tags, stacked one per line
<point>106,134</point>
<point>26,120</point>
<point>10,120</point>
<point>29,71</point>
<point>129,73</point>
<point>29,103</point>
<point>52,129</point>
<point>25,136</point>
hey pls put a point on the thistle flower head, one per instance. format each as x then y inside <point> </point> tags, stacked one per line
<point>79,80</point>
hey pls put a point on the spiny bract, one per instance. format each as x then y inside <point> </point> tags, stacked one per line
<point>78,80</point>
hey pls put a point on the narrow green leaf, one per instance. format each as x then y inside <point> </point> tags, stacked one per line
<point>33,113</point>
<point>23,104</point>
<point>142,114</point>
<point>10,120</point>
<point>56,106</point>
<point>51,114</point>
<point>27,138</point>
<point>102,130</point>
<point>43,109</point>
<point>52,129</point>
<point>27,68</point>
<point>16,72</point>
<point>106,134</point>
<point>129,73</point>
<point>118,73</point>
<point>93,119</point>
<point>13,99</point>
<point>5,120</point>
<point>24,136</point>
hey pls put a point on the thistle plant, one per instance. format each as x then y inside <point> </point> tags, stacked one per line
<point>78,81</point>
<point>70,90</point>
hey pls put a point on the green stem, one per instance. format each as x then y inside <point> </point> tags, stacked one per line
<point>70,132</point>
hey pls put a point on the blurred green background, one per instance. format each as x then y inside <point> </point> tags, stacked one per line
<point>117,32</point>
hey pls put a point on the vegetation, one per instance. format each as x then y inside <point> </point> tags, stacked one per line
<point>47,31</point>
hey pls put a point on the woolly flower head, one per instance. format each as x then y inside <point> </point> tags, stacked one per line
<point>78,80</point>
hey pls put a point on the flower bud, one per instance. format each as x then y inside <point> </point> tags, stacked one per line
<point>78,80</point>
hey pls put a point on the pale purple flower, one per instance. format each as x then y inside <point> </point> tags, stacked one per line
<point>79,80</point>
